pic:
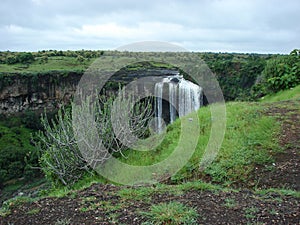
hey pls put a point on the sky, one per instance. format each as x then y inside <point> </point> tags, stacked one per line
<point>250,26</point>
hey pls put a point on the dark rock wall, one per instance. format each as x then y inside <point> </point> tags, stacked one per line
<point>37,92</point>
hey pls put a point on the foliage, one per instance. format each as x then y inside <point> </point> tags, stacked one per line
<point>17,154</point>
<point>22,57</point>
<point>236,73</point>
<point>280,73</point>
<point>31,120</point>
<point>25,57</point>
<point>171,213</point>
<point>60,143</point>
<point>230,203</point>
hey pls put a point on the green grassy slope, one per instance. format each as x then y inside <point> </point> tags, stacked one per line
<point>250,139</point>
<point>291,94</point>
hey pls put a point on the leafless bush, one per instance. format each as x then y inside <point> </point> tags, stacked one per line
<point>86,136</point>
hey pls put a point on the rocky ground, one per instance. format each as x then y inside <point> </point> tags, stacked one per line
<point>101,204</point>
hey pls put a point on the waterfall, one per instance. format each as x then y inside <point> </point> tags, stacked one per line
<point>158,106</point>
<point>183,97</point>
<point>172,100</point>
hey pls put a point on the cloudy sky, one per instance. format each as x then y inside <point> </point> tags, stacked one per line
<point>262,26</point>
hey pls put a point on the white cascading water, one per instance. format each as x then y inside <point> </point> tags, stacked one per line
<point>183,95</point>
<point>158,105</point>
<point>172,100</point>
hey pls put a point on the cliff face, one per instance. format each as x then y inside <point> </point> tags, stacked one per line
<point>37,92</point>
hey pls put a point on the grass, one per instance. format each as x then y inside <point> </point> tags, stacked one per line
<point>250,213</point>
<point>230,203</point>
<point>273,212</point>
<point>170,213</point>
<point>283,192</point>
<point>85,182</point>
<point>33,211</point>
<point>110,209</point>
<point>291,94</point>
<point>57,63</point>
<point>13,202</point>
<point>145,193</point>
<point>138,194</point>
<point>246,144</point>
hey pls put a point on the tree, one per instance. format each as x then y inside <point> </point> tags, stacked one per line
<point>25,57</point>
<point>11,60</point>
<point>295,52</point>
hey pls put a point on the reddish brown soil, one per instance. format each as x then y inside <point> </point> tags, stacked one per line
<point>214,207</point>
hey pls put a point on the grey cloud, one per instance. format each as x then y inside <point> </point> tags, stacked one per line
<point>219,25</point>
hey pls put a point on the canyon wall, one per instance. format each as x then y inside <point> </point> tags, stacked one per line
<point>21,92</point>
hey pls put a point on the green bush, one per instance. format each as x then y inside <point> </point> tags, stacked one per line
<point>280,73</point>
<point>25,57</point>
<point>11,60</point>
